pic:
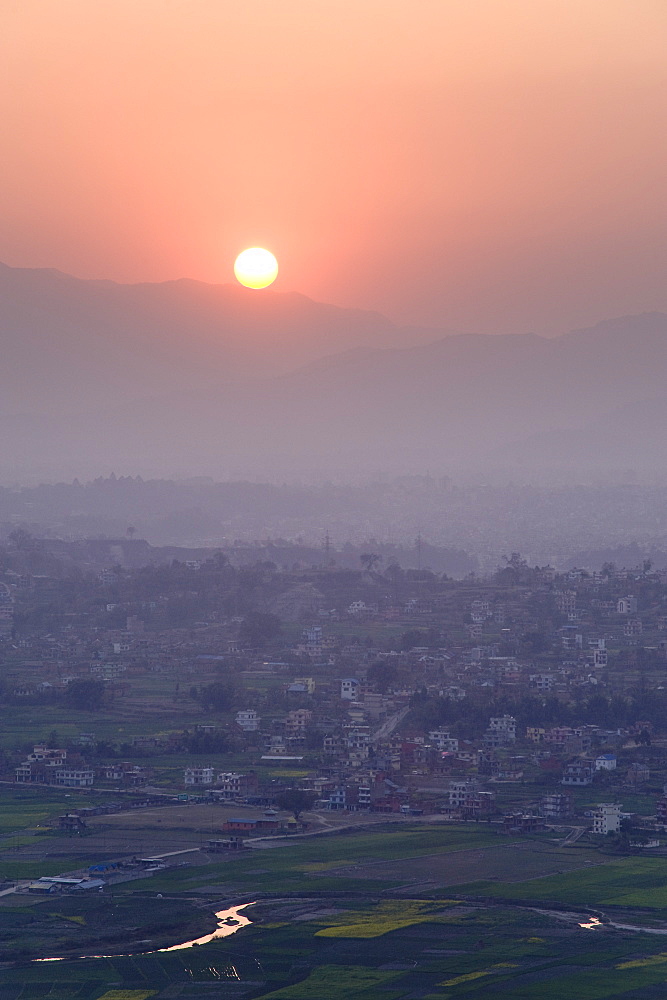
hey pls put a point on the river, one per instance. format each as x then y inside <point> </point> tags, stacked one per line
<point>224,929</point>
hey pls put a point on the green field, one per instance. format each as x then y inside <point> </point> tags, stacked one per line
<point>29,808</point>
<point>485,952</point>
<point>305,865</point>
<point>342,918</point>
<point>335,982</point>
<point>622,882</point>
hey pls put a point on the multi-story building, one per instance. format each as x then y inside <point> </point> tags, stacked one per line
<point>556,806</point>
<point>312,641</point>
<point>332,745</point>
<point>302,685</point>
<point>541,682</point>
<point>231,786</point>
<point>41,766</point>
<point>598,658</point>
<point>466,801</point>
<point>47,755</point>
<point>518,822</point>
<point>441,739</point>
<point>607,818</point>
<point>637,774</point>
<point>248,720</point>
<point>570,638</point>
<point>107,671</point>
<point>661,811</point>
<point>501,731</point>
<point>297,721</point>
<point>50,767</point>
<point>198,776</point>
<point>566,601</point>
<point>349,687</point>
<point>577,774</point>
<point>74,776</point>
<point>605,762</point>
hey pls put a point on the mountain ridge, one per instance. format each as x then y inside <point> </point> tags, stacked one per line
<point>88,388</point>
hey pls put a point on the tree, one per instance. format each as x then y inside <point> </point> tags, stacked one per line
<point>218,561</point>
<point>21,539</point>
<point>258,628</point>
<point>413,637</point>
<point>369,560</point>
<point>536,642</point>
<point>296,801</point>
<point>395,575</point>
<point>218,696</point>
<point>85,695</point>
<point>382,674</point>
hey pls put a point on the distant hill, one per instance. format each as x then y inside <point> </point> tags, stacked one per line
<point>183,378</point>
<point>55,555</point>
<point>68,342</point>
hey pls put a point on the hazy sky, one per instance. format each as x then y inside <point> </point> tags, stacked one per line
<point>476,164</point>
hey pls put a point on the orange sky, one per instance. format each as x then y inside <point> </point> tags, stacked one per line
<point>477,164</point>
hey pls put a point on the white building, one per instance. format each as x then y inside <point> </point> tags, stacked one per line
<point>480,611</point>
<point>441,739</point>
<point>626,605</point>
<point>75,777</point>
<point>313,634</point>
<point>198,776</point>
<point>605,762</point>
<point>501,731</point>
<point>566,601</point>
<point>248,720</point>
<point>232,786</point>
<point>107,671</point>
<point>598,658</point>
<point>607,818</point>
<point>349,687</point>
<point>459,792</point>
<point>542,682</point>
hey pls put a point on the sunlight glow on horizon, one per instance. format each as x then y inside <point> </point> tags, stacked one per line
<point>493,166</point>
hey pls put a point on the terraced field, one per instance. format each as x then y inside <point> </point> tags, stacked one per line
<point>380,928</point>
<point>624,882</point>
<point>439,952</point>
<point>510,862</point>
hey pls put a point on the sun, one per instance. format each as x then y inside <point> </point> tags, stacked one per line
<point>256,268</point>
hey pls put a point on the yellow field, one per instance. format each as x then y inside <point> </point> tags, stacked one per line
<point>127,995</point>
<point>385,917</point>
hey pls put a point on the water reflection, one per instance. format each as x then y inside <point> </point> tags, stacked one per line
<point>229,922</point>
<point>591,924</point>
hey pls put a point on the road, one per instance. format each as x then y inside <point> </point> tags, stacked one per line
<point>389,725</point>
<point>573,836</point>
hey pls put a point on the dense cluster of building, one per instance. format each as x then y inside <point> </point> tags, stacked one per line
<point>339,690</point>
